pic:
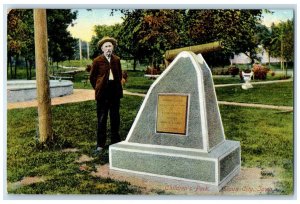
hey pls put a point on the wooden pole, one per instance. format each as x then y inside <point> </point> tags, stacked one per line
<point>42,78</point>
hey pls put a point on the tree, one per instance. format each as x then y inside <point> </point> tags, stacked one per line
<point>42,79</point>
<point>151,32</point>
<point>17,36</point>
<point>235,28</point>
<point>283,42</point>
<point>101,31</point>
<point>147,34</point>
<point>21,40</point>
<point>264,38</point>
<point>61,44</point>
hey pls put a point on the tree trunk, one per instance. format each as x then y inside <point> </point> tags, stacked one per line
<point>42,78</point>
<point>16,62</point>
<point>134,64</point>
<point>27,70</point>
<point>269,59</point>
<point>30,66</point>
<point>9,65</point>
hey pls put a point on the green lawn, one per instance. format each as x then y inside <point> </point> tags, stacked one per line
<point>273,94</point>
<point>266,138</point>
<point>137,82</point>
<point>74,126</point>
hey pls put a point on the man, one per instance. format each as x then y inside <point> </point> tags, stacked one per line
<point>106,77</point>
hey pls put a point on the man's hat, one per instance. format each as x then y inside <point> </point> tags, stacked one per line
<point>107,39</point>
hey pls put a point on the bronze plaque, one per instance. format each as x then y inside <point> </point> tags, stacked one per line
<point>172,114</point>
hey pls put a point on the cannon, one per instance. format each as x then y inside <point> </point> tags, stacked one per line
<point>203,48</point>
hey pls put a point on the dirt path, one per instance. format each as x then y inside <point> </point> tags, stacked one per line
<point>250,181</point>
<point>77,96</point>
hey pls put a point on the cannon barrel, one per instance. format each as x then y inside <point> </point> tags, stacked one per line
<point>203,48</point>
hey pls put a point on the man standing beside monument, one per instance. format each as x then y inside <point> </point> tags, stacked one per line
<point>105,77</point>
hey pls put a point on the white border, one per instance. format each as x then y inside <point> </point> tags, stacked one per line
<point>201,60</point>
<point>202,102</point>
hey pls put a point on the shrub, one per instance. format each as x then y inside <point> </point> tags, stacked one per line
<point>260,72</point>
<point>272,73</point>
<point>233,71</point>
<point>220,71</point>
<point>153,71</point>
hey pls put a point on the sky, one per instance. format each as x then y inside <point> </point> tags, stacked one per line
<point>86,20</point>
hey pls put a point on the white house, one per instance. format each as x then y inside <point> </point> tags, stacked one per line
<point>262,55</point>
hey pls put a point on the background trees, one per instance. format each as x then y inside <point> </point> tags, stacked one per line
<point>149,33</point>
<point>283,42</point>
<point>21,39</point>
<point>146,34</point>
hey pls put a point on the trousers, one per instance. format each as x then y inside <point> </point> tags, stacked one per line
<point>109,103</point>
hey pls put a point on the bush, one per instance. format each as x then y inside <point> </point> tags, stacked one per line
<point>233,71</point>
<point>220,71</point>
<point>260,72</point>
<point>153,71</point>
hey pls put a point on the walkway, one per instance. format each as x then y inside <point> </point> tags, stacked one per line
<point>88,94</point>
<point>78,95</point>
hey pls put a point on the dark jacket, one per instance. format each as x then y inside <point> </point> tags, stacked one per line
<point>99,75</point>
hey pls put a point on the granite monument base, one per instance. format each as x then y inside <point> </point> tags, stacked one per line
<point>213,169</point>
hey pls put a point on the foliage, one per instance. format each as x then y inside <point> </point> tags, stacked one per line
<point>104,30</point>
<point>149,33</point>
<point>234,27</point>
<point>233,70</point>
<point>260,72</point>
<point>220,71</point>
<point>283,40</point>
<point>264,37</point>
<point>61,44</point>
<point>20,36</point>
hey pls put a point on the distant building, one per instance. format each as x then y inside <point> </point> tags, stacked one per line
<point>262,55</point>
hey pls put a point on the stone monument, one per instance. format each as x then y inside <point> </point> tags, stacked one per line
<point>178,132</point>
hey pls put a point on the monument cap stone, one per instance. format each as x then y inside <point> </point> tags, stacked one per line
<point>178,131</point>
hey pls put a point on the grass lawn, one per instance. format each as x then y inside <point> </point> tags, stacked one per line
<point>235,80</point>
<point>266,138</point>
<point>280,94</point>
<point>137,82</point>
<point>74,126</point>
